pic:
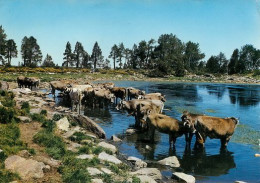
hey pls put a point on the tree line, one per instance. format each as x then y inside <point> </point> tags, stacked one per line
<point>167,55</point>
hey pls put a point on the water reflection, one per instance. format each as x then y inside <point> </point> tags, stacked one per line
<point>199,163</point>
<point>243,96</point>
<point>216,90</point>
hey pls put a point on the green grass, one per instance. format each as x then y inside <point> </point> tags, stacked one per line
<point>78,137</point>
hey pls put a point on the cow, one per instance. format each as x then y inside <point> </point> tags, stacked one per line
<point>119,92</point>
<point>28,82</point>
<point>58,85</point>
<point>209,126</point>
<point>103,96</point>
<point>75,95</point>
<point>164,124</point>
<point>134,93</point>
<point>153,96</point>
<point>137,107</point>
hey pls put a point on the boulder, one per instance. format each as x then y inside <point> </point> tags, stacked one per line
<point>73,146</point>
<point>24,154</point>
<point>183,177</point>
<point>24,119</point>
<point>115,138</point>
<point>63,124</point>
<point>48,161</point>
<point>96,181</point>
<point>85,156</point>
<point>171,161</point>
<point>145,178</point>
<point>151,172</point>
<point>107,171</point>
<point>21,90</point>
<point>4,85</point>
<point>94,171</point>
<point>89,124</point>
<point>108,146</point>
<point>138,163</point>
<point>130,131</point>
<point>106,157</point>
<point>25,168</point>
<point>240,181</point>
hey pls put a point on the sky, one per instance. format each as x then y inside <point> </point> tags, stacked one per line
<point>217,25</point>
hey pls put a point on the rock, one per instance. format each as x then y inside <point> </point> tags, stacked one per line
<point>145,178</point>
<point>94,171</point>
<point>86,141</point>
<point>106,157</point>
<point>91,135</point>
<point>151,172</point>
<point>148,147</point>
<point>130,131</point>
<point>73,146</point>
<point>35,110</point>
<point>24,153</point>
<point>108,146</point>
<point>24,119</point>
<point>107,171</point>
<point>115,138</point>
<point>25,168</point>
<point>21,90</point>
<point>138,163</point>
<point>183,177</point>
<point>85,156</point>
<point>240,181</point>
<point>171,161</point>
<point>63,124</point>
<point>96,181</point>
<point>89,125</point>
<point>48,161</point>
<point>71,132</point>
<point>4,85</point>
<point>47,168</point>
<point>257,155</point>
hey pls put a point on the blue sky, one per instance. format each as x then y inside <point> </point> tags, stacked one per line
<point>217,25</point>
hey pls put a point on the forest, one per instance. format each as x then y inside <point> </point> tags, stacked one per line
<point>166,56</point>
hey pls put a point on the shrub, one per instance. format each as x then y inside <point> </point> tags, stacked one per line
<point>57,117</point>
<point>78,137</point>
<point>26,107</point>
<point>135,180</point>
<point>37,117</point>
<point>85,149</point>
<point>6,115</point>
<point>43,112</point>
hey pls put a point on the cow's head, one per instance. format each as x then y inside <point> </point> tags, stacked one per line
<point>121,105</point>
<point>188,122</point>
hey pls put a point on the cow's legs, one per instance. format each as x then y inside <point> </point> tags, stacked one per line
<point>188,138</point>
<point>224,141</point>
<point>200,140</point>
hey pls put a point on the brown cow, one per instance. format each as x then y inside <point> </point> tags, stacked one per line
<point>134,93</point>
<point>212,127</point>
<point>119,92</point>
<point>165,124</point>
<point>153,96</point>
<point>58,85</point>
<point>28,82</point>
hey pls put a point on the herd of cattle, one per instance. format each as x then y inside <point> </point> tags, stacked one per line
<point>146,108</point>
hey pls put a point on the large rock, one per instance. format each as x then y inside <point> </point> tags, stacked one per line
<point>22,91</point>
<point>145,179</point>
<point>171,161</point>
<point>106,157</point>
<point>96,181</point>
<point>25,168</point>
<point>151,172</point>
<point>138,163</point>
<point>24,119</point>
<point>183,177</point>
<point>107,171</point>
<point>48,161</point>
<point>108,146</point>
<point>115,138</point>
<point>85,156</point>
<point>94,171</point>
<point>4,85</point>
<point>89,124</point>
<point>63,124</point>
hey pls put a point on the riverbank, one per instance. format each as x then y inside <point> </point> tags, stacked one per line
<point>83,77</point>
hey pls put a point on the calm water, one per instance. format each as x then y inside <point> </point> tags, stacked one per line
<point>208,165</point>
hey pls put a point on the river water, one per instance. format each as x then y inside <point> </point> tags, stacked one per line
<point>210,164</point>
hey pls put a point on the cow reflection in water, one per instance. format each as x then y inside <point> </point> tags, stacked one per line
<point>100,113</point>
<point>200,163</point>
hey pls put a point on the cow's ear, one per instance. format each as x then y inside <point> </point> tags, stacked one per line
<point>142,105</point>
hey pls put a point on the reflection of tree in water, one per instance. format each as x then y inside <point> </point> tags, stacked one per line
<point>187,92</point>
<point>216,90</point>
<point>201,164</point>
<point>244,96</point>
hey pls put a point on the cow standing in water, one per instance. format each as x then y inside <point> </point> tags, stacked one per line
<point>209,126</point>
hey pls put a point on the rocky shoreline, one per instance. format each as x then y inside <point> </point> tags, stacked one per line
<point>38,167</point>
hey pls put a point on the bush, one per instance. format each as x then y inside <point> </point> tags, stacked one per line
<point>26,107</point>
<point>6,115</point>
<point>57,117</point>
<point>43,112</point>
<point>135,180</point>
<point>37,117</point>
<point>78,137</point>
<point>256,72</point>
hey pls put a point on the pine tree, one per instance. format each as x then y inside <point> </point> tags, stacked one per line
<point>79,54</point>
<point>96,56</point>
<point>10,51</point>
<point>68,56</point>
<point>233,62</point>
<point>48,62</point>
<point>2,44</point>
<point>113,54</point>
